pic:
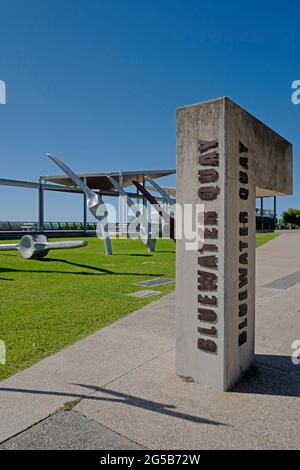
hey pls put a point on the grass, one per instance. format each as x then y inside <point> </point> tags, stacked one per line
<point>69,405</point>
<point>49,304</point>
<point>262,238</point>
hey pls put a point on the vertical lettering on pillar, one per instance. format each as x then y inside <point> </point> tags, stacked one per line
<point>208,193</point>
<point>243,244</point>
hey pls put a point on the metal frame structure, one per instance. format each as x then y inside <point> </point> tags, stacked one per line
<point>50,183</point>
<point>45,184</point>
<point>262,211</point>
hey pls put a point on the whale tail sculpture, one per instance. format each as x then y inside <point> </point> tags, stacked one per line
<point>95,202</point>
<point>146,236</point>
<point>37,246</point>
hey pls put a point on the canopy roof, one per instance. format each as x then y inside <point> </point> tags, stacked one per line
<point>99,181</point>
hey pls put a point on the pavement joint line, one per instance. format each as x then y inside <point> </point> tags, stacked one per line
<point>270,297</point>
<point>29,427</point>
<point>110,429</point>
<point>75,411</point>
<point>125,374</point>
<point>95,392</point>
<point>90,394</point>
<point>280,371</point>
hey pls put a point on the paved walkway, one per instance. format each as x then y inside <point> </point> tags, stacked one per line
<point>124,377</point>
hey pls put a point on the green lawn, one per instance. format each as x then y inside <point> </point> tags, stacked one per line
<point>262,238</point>
<point>49,304</point>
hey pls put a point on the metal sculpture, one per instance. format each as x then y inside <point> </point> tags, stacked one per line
<point>95,202</point>
<point>146,235</point>
<point>168,199</point>
<point>162,213</point>
<point>37,246</point>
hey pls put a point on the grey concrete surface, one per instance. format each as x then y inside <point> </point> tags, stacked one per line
<point>68,430</point>
<point>285,282</point>
<point>125,377</point>
<point>155,282</point>
<point>35,393</point>
<point>154,408</point>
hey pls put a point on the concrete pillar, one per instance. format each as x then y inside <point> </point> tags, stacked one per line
<point>221,157</point>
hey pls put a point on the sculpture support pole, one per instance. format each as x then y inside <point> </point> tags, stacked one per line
<point>84,210</point>
<point>162,213</point>
<point>41,207</point>
<point>145,235</point>
<point>145,208</point>
<point>223,153</point>
<point>161,191</point>
<point>122,211</point>
<point>167,199</point>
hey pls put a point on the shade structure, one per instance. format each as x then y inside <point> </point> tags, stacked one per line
<point>99,181</point>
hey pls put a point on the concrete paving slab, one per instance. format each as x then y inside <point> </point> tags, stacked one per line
<point>155,282</point>
<point>278,258</point>
<point>144,293</point>
<point>68,430</point>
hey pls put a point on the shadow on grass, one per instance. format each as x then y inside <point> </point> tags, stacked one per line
<point>144,255</point>
<point>99,271</point>
<point>8,254</point>
<point>147,255</point>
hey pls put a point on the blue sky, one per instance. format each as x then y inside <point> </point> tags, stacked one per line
<point>97,83</point>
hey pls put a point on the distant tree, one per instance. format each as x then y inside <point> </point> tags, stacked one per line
<point>291,216</point>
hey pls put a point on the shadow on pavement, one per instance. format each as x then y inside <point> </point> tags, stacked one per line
<point>271,375</point>
<point>118,397</point>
